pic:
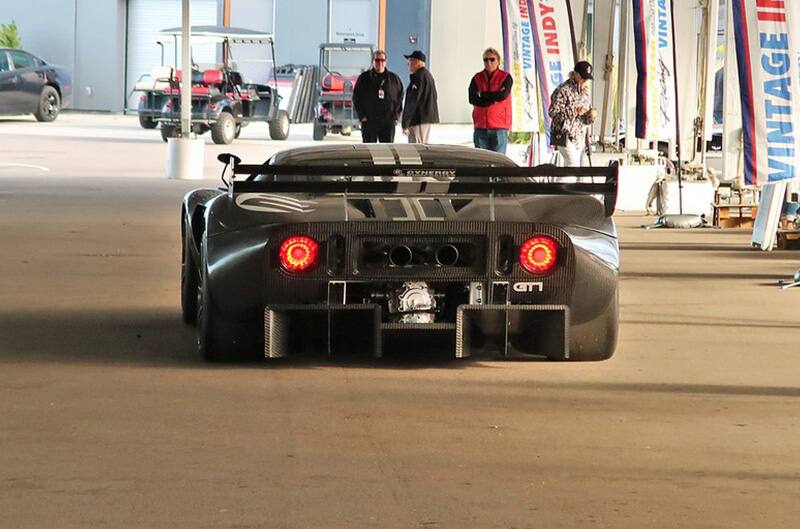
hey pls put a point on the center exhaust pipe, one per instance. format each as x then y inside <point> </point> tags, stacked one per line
<point>400,256</point>
<point>446,255</point>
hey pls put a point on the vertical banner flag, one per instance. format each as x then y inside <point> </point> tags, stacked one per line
<point>555,55</point>
<point>767,34</point>
<point>655,82</point>
<point>518,49</point>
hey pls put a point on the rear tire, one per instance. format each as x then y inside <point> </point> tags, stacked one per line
<point>189,279</point>
<point>217,340</point>
<point>49,105</point>
<point>168,131</point>
<point>279,127</point>
<point>223,131</point>
<point>319,131</point>
<point>146,122</point>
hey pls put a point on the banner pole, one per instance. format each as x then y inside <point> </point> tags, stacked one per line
<point>677,110</point>
<point>587,140</point>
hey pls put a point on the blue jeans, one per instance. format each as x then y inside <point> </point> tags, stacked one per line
<point>491,139</point>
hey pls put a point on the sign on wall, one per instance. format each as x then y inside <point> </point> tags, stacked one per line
<point>655,81</point>
<point>767,37</point>
<point>520,62</point>
<point>353,21</point>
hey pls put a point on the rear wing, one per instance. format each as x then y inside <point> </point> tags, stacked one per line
<point>456,180</point>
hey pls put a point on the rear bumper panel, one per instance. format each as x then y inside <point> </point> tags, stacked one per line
<point>358,329</point>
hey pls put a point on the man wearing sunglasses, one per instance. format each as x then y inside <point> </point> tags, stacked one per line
<point>378,101</point>
<point>489,95</point>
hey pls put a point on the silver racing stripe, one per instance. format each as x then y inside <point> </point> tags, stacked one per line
<point>407,154</point>
<point>381,154</point>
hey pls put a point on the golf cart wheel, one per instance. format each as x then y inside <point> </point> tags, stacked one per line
<point>146,122</point>
<point>279,127</point>
<point>49,105</point>
<point>319,131</point>
<point>223,131</point>
<point>238,131</point>
<point>168,131</point>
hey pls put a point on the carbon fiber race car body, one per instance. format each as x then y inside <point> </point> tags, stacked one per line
<point>391,248</point>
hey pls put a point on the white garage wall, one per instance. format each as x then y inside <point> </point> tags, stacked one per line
<point>145,19</point>
<point>460,31</point>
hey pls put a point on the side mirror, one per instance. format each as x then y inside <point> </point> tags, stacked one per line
<point>228,158</point>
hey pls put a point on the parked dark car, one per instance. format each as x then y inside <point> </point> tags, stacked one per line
<point>28,85</point>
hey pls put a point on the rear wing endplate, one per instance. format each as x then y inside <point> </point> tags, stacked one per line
<point>456,180</point>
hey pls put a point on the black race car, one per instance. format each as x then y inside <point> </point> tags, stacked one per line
<point>391,248</point>
<point>28,85</point>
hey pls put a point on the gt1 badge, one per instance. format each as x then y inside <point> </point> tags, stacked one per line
<point>529,287</point>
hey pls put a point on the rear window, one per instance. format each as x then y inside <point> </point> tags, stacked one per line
<point>23,60</point>
<point>4,67</point>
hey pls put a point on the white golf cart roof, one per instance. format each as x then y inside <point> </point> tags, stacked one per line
<point>222,33</point>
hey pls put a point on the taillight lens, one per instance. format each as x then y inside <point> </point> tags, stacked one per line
<point>538,255</point>
<point>299,253</point>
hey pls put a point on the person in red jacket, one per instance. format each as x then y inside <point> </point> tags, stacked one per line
<point>489,94</point>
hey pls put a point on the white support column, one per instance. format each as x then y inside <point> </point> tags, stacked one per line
<point>186,66</point>
<point>184,154</point>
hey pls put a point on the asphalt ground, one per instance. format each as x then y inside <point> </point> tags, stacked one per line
<point>108,417</point>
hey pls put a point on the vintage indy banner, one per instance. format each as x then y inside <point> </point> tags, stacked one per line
<point>655,82</point>
<point>767,36</point>
<point>518,50</point>
<point>555,55</point>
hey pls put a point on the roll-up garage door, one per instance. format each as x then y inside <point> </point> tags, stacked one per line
<point>145,19</point>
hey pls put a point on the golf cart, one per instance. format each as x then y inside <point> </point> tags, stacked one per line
<point>340,64</point>
<point>154,88</point>
<point>221,101</point>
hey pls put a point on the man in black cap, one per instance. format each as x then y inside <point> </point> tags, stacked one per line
<point>378,101</point>
<point>571,111</point>
<point>421,108</point>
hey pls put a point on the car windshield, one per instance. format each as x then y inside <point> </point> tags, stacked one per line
<point>346,62</point>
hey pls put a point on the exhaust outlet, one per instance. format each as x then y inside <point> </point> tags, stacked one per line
<point>446,255</point>
<point>400,256</point>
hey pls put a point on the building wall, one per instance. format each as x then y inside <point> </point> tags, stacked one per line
<point>460,31</point>
<point>51,37</point>
<point>85,36</point>
<point>301,27</point>
<point>99,73</point>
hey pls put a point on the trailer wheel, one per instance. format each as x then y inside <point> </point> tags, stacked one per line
<point>279,127</point>
<point>168,131</point>
<point>223,131</point>
<point>146,122</point>
<point>319,131</point>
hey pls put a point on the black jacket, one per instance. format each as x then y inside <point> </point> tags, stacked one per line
<point>369,105</point>
<point>422,105</point>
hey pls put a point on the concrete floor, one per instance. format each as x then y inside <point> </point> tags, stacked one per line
<point>108,418</point>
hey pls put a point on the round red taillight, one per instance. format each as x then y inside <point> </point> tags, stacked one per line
<point>538,254</point>
<point>298,253</point>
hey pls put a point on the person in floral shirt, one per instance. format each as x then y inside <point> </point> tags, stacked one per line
<point>571,111</point>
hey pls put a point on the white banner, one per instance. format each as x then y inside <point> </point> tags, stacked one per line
<point>518,53</point>
<point>767,34</point>
<point>555,56</point>
<point>655,82</point>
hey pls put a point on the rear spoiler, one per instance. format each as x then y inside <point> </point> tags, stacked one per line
<point>455,180</point>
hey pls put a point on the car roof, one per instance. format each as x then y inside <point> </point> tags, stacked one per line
<point>397,154</point>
